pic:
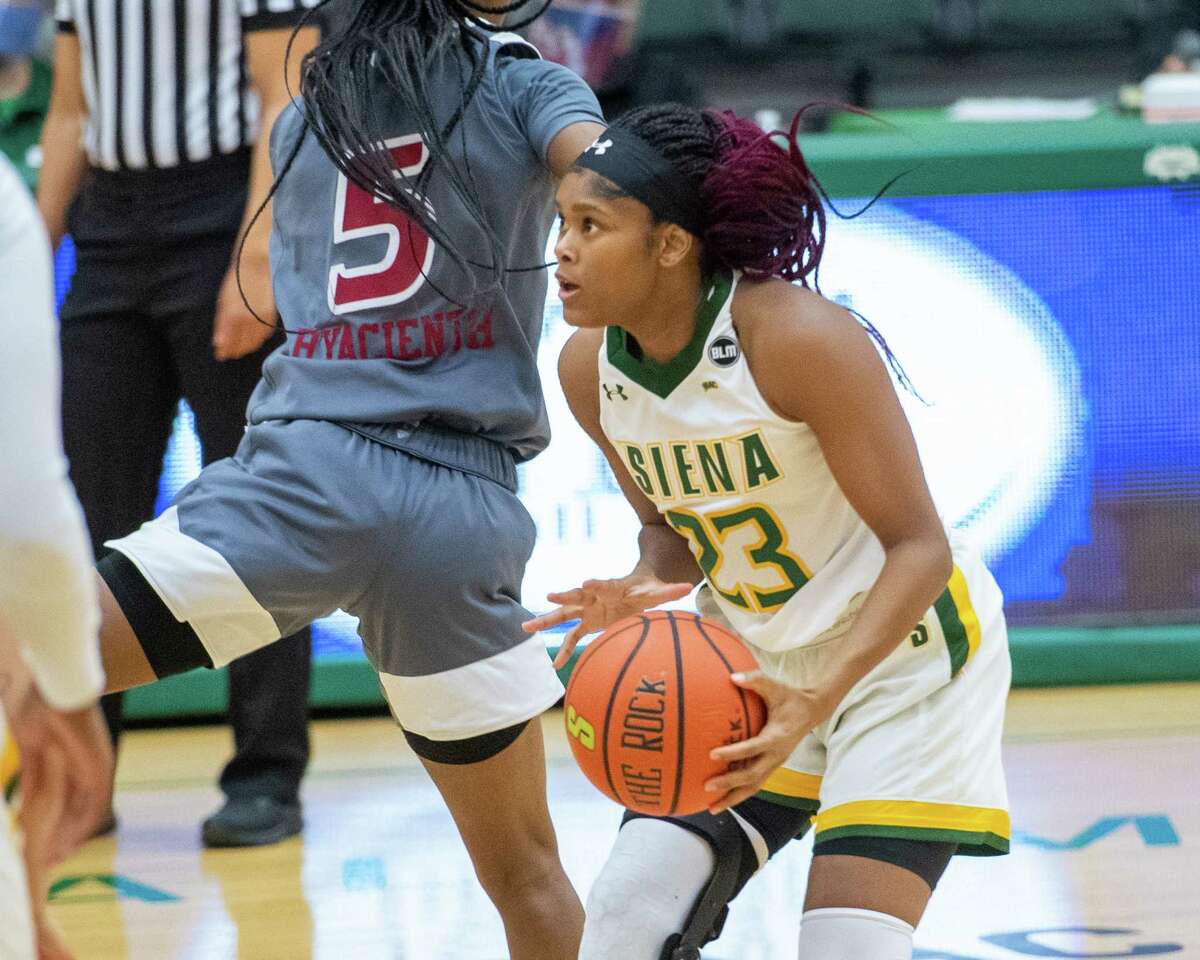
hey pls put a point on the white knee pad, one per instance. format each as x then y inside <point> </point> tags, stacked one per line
<point>646,891</point>
<point>842,933</point>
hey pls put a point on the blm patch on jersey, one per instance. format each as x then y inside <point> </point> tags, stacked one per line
<point>724,351</point>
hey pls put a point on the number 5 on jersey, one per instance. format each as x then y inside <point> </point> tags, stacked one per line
<point>357,215</point>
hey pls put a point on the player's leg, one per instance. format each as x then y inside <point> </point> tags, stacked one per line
<point>268,689</point>
<point>441,623</point>
<point>685,871</point>
<point>163,599</point>
<point>913,778</point>
<point>253,546</point>
<point>125,662</point>
<point>511,841</point>
<point>866,896</point>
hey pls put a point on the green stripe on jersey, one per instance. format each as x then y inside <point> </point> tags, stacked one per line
<point>661,378</point>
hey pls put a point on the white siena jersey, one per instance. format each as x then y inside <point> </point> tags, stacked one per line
<point>785,555</point>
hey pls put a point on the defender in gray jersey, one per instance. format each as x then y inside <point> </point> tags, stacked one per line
<point>378,470</point>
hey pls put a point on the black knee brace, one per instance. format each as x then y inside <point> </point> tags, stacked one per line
<point>736,862</point>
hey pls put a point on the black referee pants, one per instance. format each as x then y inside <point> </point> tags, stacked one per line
<point>136,329</point>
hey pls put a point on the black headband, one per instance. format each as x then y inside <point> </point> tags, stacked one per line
<point>643,173</point>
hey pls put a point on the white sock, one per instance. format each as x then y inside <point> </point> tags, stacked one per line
<point>648,887</point>
<point>842,933</point>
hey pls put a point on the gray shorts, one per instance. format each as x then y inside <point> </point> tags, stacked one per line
<point>427,550</point>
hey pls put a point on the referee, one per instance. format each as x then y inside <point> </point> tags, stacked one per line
<point>155,159</point>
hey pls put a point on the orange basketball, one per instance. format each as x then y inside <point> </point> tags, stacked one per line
<point>649,699</point>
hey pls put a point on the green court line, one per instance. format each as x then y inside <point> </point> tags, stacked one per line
<point>1042,657</point>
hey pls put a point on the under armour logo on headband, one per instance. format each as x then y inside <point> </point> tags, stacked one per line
<point>640,171</point>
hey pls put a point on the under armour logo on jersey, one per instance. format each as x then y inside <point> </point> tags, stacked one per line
<point>600,147</point>
<point>618,391</point>
<point>710,385</point>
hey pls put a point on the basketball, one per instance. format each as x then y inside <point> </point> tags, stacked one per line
<point>647,702</point>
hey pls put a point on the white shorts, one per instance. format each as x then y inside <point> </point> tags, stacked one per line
<point>913,751</point>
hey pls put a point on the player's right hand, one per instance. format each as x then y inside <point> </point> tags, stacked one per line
<point>599,603</point>
<point>66,776</point>
<point>236,331</point>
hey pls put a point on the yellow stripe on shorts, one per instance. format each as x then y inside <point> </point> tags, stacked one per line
<point>977,830</point>
<point>791,788</point>
<point>960,622</point>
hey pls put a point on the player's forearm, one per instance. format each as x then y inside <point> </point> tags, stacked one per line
<point>63,165</point>
<point>914,573</point>
<point>665,555</point>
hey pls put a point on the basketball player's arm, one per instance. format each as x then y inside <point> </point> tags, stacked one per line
<point>553,109</point>
<point>666,569</point>
<point>665,555</point>
<point>568,144</point>
<point>846,396</point>
<point>236,332</point>
<point>63,159</point>
<point>50,671</point>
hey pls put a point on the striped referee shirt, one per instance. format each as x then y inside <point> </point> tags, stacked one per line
<point>165,81</point>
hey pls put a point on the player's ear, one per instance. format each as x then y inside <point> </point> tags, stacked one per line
<point>674,244</point>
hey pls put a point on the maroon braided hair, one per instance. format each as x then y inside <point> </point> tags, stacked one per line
<point>765,216</point>
<point>765,210</point>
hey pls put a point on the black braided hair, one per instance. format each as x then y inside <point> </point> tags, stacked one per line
<point>387,53</point>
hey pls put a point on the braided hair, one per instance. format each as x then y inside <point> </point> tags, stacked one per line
<point>386,53</point>
<point>764,214</point>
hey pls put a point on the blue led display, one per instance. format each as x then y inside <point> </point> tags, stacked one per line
<point>1056,338</point>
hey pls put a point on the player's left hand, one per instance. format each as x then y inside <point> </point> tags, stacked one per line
<point>791,715</point>
<point>236,331</point>
<point>600,603</point>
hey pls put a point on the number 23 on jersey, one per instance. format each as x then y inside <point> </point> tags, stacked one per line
<point>777,572</point>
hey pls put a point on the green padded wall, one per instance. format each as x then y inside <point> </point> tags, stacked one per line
<point>677,19</point>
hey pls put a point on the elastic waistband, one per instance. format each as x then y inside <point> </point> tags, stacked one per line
<point>467,452</point>
<point>223,170</point>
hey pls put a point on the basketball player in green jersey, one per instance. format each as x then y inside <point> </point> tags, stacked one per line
<point>754,428</point>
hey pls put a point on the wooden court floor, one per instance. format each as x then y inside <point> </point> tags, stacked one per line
<point>1105,787</point>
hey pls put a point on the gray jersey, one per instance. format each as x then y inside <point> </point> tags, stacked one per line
<point>372,340</point>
